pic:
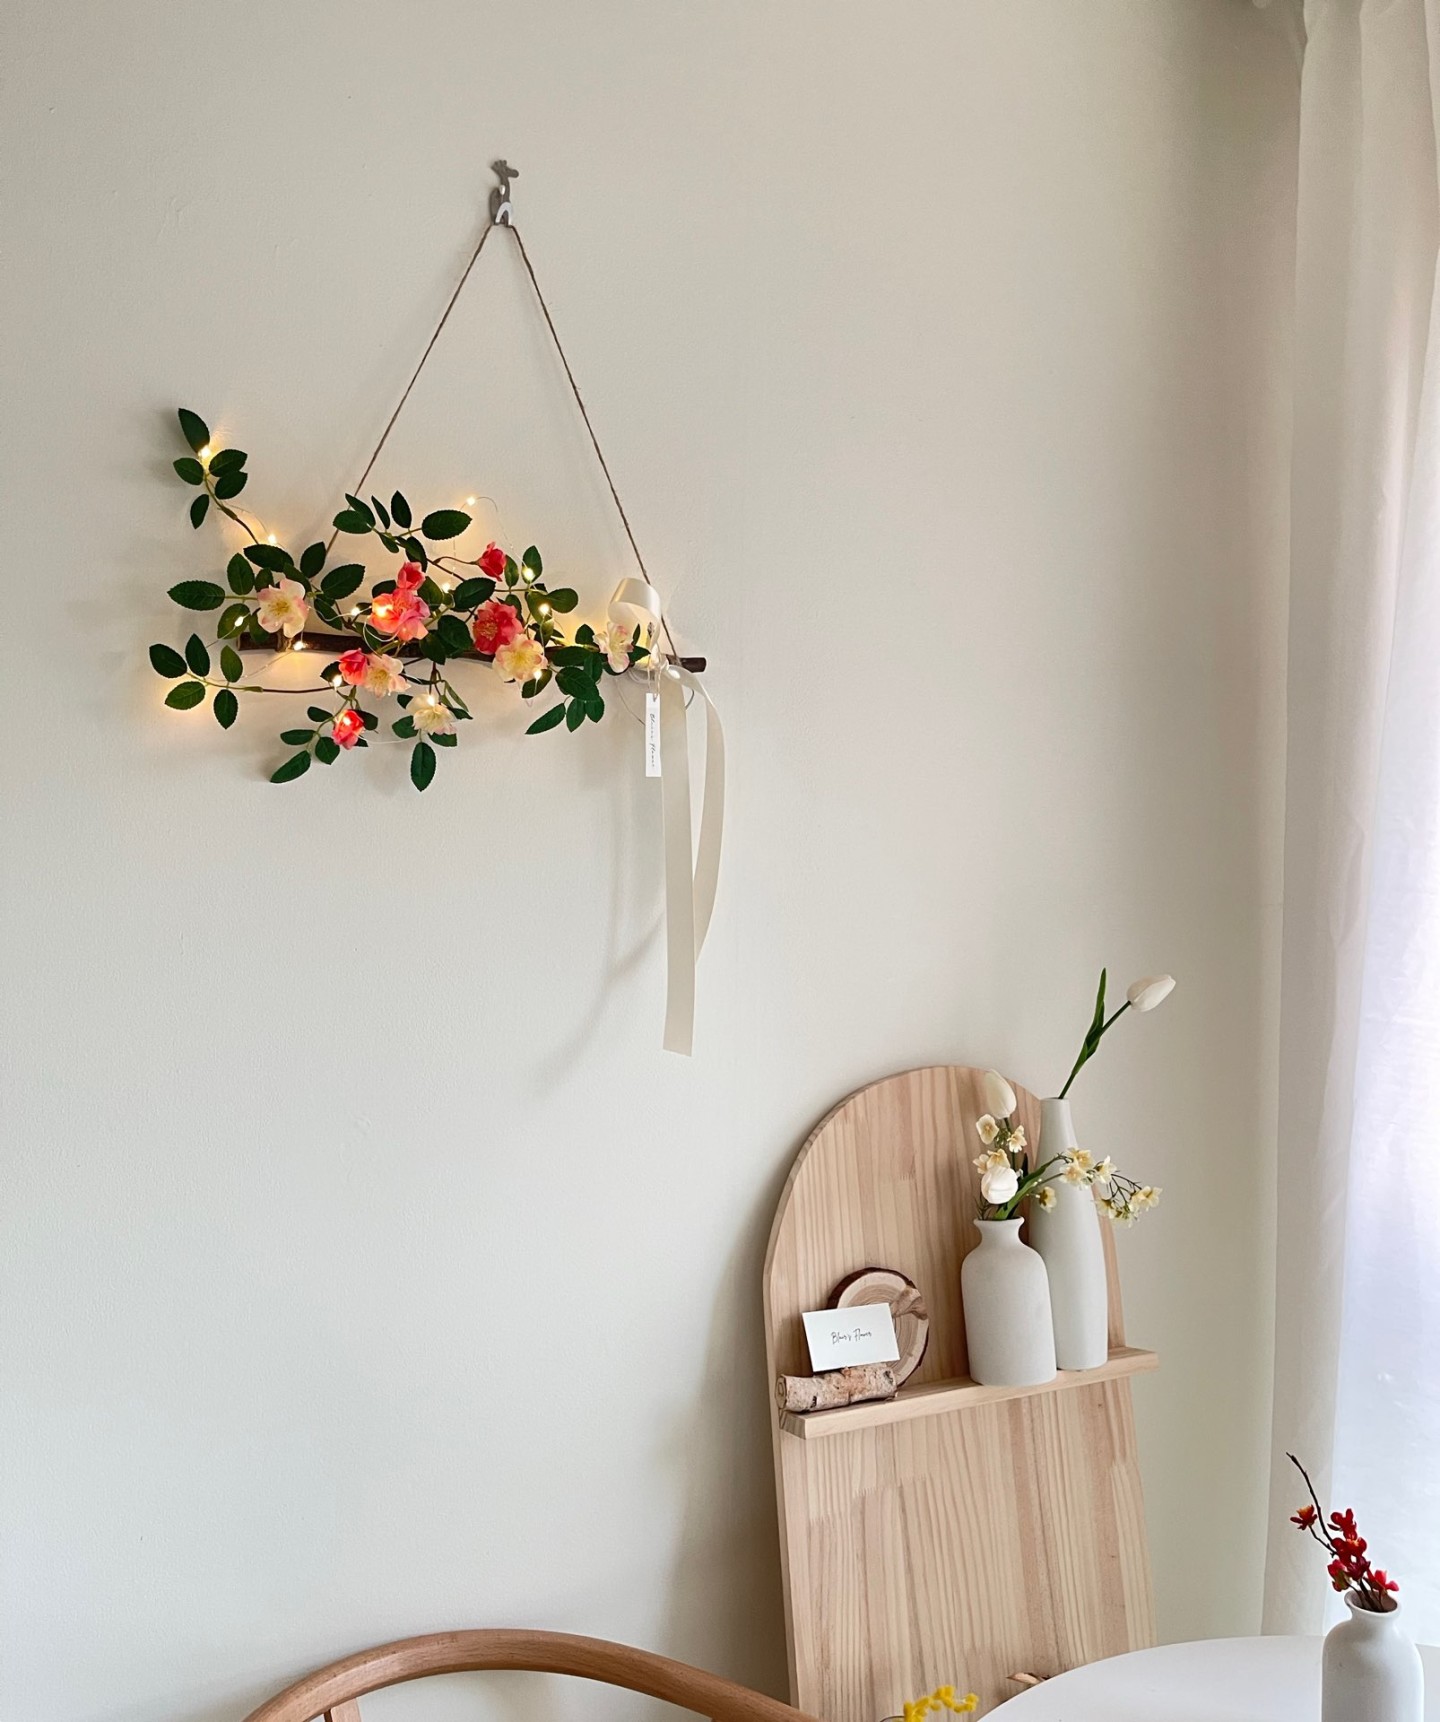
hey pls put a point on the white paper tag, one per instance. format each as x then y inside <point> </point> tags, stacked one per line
<point>652,735</point>
<point>839,1337</point>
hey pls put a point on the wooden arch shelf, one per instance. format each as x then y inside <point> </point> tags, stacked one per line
<point>957,1533</point>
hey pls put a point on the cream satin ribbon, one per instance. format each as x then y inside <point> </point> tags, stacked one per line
<point>689,882</point>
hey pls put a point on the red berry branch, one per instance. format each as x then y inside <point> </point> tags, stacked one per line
<point>1349,1567</point>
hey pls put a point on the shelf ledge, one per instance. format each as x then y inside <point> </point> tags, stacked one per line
<point>937,1397</point>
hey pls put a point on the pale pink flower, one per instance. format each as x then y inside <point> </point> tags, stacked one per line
<point>282,608</point>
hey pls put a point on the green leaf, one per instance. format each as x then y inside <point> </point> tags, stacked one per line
<point>296,766</point>
<point>537,685</point>
<point>574,681</point>
<point>318,714</point>
<point>227,708</point>
<point>532,561</point>
<point>404,727</point>
<point>198,594</point>
<point>186,695</point>
<point>584,635</point>
<point>228,460</point>
<point>512,570</point>
<point>275,557</point>
<point>1097,1022</point>
<point>312,560</point>
<point>391,543</point>
<point>595,707</point>
<point>361,508</point>
<point>347,520</point>
<point>230,665</point>
<point>197,510</point>
<point>446,740</point>
<point>433,595</point>
<point>190,469</point>
<point>469,593</point>
<point>298,737</point>
<point>166,661</point>
<point>415,550</point>
<point>401,510</point>
<point>196,656</point>
<point>381,510</point>
<point>326,750</point>
<point>230,484</point>
<point>193,428</point>
<point>422,764</point>
<point>369,719</point>
<point>240,574</point>
<point>547,720</point>
<point>574,715</point>
<point>454,633</point>
<point>433,647</point>
<point>233,621</point>
<point>563,601</point>
<point>342,581</point>
<point>445,523</point>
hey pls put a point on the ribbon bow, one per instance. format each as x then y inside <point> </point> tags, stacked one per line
<point>690,878</point>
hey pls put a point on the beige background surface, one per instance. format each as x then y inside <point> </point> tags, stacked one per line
<point>939,351</point>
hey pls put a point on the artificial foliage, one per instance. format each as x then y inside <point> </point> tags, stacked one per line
<point>400,634</point>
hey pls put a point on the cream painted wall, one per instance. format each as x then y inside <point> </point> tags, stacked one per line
<point>939,350</point>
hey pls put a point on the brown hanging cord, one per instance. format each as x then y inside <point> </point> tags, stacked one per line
<point>502,217</point>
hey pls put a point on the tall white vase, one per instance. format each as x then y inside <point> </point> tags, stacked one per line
<point>1067,1237</point>
<point>1370,1670</point>
<point>1006,1299</point>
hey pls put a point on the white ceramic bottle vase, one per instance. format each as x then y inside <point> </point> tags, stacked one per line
<point>1067,1236</point>
<point>1006,1299</point>
<point>1370,1670</point>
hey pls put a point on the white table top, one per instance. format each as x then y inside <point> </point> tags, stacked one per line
<point>1214,1680</point>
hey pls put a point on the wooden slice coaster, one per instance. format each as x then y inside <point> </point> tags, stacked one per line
<point>907,1307</point>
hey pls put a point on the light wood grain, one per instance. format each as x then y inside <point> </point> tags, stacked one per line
<point>906,1306</point>
<point>941,1396</point>
<point>334,1688</point>
<point>346,1712</point>
<point>1000,1531</point>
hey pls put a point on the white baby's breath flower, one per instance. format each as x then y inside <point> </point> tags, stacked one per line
<point>1147,1196</point>
<point>1017,1137</point>
<point>986,1129</point>
<point>999,1095</point>
<point>1149,991</point>
<point>1045,1196</point>
<point>999,1184</point>
<point>1079,1167</point>
<point>1105,1171</point>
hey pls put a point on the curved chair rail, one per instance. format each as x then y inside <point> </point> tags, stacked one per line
<point>336,1686</point>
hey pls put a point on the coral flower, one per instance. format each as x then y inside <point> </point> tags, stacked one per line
<point>493,561</point>
<point>401,613</point>
<point>352,665</point>
<point>410,577</point>
<point>521,660</point>
<point>282,608</point>
<point>496,625</point>
<point>348,727</point>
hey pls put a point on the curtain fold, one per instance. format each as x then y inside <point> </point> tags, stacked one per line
<point>1362,860</point>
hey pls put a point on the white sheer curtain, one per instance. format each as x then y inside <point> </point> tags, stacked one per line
<point>1357,1389</point>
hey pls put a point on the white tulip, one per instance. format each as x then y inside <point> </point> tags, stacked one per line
<point>999,1095</point>
<point>999,1184</point>
<point>1149,991</point>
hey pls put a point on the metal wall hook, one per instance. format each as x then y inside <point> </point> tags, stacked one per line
<point>501,214</point>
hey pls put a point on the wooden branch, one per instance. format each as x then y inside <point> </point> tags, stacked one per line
<point>334,644</point>
<point>836,1387</point>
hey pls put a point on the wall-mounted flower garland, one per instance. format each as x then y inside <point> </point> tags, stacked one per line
<point>398,638</point>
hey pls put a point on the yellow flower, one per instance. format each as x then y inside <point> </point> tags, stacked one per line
<point>1045,1196</point>
<point>1147,1196</point>
<point>521,660</point>
<point>1079,1167</point>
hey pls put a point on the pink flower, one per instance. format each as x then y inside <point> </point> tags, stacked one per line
<point>348,727</point>
<point>401,613</point>
<point>496,625</point>
<point>352,666</point>
<point>282,608</point>
<point>410,577</point>
<point>521,660</point>
<point>493,561</point>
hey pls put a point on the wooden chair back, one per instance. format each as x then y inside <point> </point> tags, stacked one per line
<point>332,1692</point>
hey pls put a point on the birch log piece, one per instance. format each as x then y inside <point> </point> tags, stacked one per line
<point>836,1387</point>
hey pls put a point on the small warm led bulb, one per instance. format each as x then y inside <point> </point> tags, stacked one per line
<point>206,452</point>
<point>470,501</point>
<point>544,609</point>
<point>335,681</point>
<point>270,538</point>
<point>354,609</point>
<point>298,646</point>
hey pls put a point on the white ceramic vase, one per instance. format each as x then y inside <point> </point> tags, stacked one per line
<point>1370,1671</point>
<point>1006,1299</point>
<point>1067,1236</point>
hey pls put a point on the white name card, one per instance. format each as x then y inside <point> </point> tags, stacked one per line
<point>840,1337</point>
